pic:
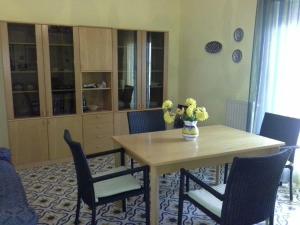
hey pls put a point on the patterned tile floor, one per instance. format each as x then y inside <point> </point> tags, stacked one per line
<point>51,191</point>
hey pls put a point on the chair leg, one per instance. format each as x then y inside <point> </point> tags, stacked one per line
<point>78,209</point>
<point>271,219</point>
<point>180,203</point>
<point>132,163</point>
<point>225,173</point>
<point>147,195</point>
<point>147,206</point>
<point>124,205</point>
<point>291,184</point>
<point>94,215</point>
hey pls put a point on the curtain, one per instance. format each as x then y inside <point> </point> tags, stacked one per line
<point>275,73</point>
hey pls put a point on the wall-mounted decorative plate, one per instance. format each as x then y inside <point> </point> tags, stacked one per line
<point>237,56</point>
<point>238,34</point>
<point>213,47</point>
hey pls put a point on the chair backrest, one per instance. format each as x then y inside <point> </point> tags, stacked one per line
<point>127,95</point>
<point>146,121</point>
<point>251,189</point>
<point>178,123</point>
<point>281,128</point>
<point>84,177</point>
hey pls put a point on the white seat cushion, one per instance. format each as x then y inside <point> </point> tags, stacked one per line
<point>115,185</point>
<point>208,200</point>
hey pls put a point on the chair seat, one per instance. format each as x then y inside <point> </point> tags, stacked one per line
<point>208,200</point>
<point>115,185</point>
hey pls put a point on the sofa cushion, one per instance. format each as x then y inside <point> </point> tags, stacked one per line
<point>5,154</point>
<point>14,209</point>
<point>18,215</point>
<point>11,188</point>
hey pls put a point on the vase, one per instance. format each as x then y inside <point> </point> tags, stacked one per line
<point>190,131</point>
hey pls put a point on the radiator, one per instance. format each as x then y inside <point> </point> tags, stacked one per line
<point>236,114</point>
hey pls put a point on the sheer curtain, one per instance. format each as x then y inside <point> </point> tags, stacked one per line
<point>275,75</point>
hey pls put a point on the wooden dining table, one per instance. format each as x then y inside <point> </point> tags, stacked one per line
<point>166,151</point>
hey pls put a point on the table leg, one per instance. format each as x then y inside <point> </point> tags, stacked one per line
<point>118,164</point>
<point>154,196</point>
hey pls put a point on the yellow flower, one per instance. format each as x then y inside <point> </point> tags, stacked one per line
<point>168,104</point>
<point>201,114</point>
<point>179,112</point>
<point>168,117</point>
<point>190,101</point>
<point>190,110</point>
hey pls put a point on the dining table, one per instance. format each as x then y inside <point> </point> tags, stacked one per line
<point>167,152</point>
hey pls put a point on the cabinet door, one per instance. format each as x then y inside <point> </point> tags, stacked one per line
<point>28,140</point>
<point>98,132</point>
<point>23,70</point>
<point>95,49</point>
<point>154,69</point>
<point>61,77</point>
<point>57,146</point>
<point>128,66</point>
<point>120,123</point>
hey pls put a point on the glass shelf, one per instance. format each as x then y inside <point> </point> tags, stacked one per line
<point>95,89</point>
<point>22,92</point>
<point>20,43</point>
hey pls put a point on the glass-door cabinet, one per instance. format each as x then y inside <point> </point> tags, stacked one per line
<point>59,70</point>
<point>22,55</point>
<point>154,81</point>
<point>128,70</point>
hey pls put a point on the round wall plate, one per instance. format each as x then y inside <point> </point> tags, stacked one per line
<point>237,56</point>
<point>238,34</point>
<point>213,47</point>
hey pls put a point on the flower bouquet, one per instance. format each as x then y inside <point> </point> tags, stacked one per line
<point>190,114</point>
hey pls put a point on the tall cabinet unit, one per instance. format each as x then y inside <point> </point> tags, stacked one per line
<point>140,74</point>
<point>96,88</point>
<point>62,79</point>
<point>84,79</point>
<point>24,88</point>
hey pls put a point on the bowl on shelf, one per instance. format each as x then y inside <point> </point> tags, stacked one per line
<point>93,107</point>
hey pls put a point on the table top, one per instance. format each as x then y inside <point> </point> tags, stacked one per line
<point>167,147</point>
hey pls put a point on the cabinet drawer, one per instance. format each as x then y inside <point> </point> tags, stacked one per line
<point>98,132</point>
<point>99,120</point>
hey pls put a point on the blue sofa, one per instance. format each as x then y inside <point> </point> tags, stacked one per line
<point>14,209</point>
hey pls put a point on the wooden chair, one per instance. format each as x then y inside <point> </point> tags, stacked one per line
<point>117,184</point>
<point>249,196</point>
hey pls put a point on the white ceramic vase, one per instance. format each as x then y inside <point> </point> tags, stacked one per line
<point>190,131</point>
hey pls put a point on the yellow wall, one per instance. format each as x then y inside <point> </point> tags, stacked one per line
<point>213,78</point>
<point>160,15</point>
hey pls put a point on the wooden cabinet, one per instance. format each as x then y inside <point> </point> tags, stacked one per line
<point>84,79</point>
<point>58,148</point>
<point>140,75</point>
<point>62,73</point>
<point>97,132</point>
<point>95,49</point>
<point>28,140</point>
<point>23,70</point>
<point>154,69</point>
